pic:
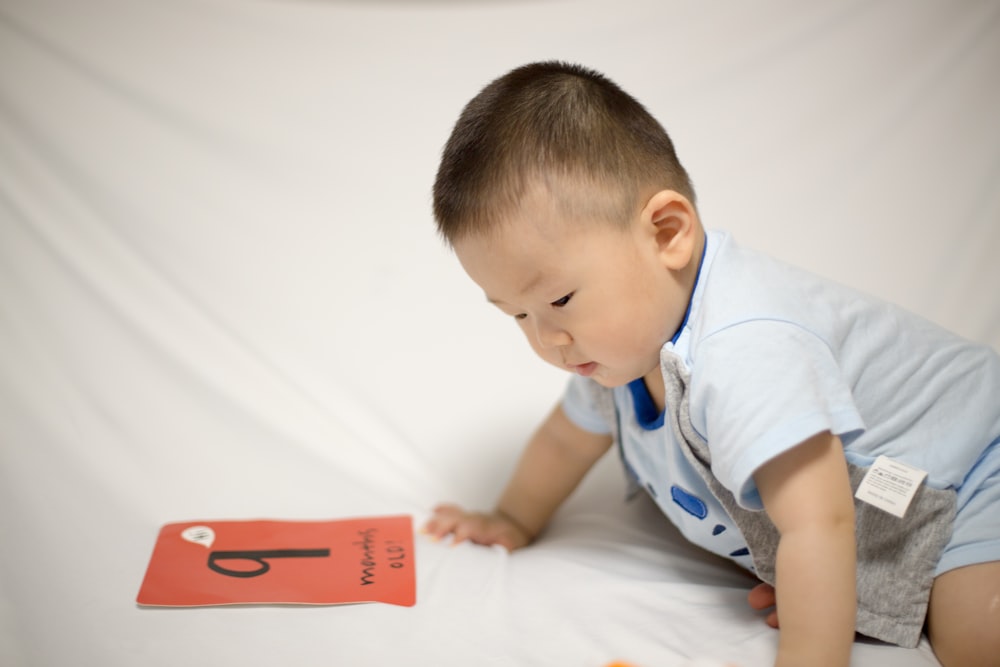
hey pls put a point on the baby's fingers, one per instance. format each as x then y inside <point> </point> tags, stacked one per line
<point>446,517</point>
<point>762,597</point>
<point>462,532</point>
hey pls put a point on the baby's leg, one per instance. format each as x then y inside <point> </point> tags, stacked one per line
<point>964,616</point>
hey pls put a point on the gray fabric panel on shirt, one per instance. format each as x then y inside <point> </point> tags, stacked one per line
<point>896,557</point>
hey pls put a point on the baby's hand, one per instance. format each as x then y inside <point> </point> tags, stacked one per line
<point>477,527</point>
<point>698,662</point>
<point>762,597</point>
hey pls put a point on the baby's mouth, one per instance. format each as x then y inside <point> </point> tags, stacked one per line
<point>586,370</point>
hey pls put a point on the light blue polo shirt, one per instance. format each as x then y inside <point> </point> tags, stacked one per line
<point>777,355</point>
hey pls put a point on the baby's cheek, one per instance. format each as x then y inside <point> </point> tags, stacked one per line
<point>550,356</point>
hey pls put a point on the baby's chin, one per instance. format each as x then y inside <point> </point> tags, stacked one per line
<point>601,374</point>
<point>607,378</point>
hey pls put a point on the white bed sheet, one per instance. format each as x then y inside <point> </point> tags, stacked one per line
<point>221,296</point>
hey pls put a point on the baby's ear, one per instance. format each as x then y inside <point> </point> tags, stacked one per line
<point>673,221</point>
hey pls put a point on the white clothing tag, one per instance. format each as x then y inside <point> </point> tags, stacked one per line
<point>890,485</point>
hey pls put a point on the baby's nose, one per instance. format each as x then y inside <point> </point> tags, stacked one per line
<point>550,336</point>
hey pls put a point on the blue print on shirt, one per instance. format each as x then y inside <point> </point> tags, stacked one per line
<point>651,418</point>
<point>693,505</point>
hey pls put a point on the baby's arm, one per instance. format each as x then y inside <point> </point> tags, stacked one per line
<point>807,494</point>
<point>554,461</point>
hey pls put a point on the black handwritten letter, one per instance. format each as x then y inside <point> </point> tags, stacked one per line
<point>259,557</point>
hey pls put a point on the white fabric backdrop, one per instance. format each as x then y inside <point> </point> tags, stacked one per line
<point>221,296</point>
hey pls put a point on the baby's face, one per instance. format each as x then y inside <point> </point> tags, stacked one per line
<point>592,298</point>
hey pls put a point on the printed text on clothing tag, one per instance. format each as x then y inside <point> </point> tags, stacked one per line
<point>890,485</point>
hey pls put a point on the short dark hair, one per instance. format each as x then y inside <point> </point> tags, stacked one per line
<point>549,121</point>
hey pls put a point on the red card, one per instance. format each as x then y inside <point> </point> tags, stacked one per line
<point>199,563</point>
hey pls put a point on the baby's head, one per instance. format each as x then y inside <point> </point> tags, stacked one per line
<point>591,146</point>
<point>564,200</point>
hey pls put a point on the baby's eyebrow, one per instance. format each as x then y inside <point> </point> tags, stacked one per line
<point>533,283</point>
<point>530,285</point>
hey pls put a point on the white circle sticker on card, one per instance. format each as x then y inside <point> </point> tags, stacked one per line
<point>202,535</point>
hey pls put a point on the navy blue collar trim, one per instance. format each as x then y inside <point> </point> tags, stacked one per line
<point>694,288</point>
<point>646,414</point>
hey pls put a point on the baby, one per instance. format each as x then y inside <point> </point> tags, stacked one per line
<point>751,400</point>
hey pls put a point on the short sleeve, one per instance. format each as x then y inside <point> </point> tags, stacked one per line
<point>581,403</point>
<point>760,388</point>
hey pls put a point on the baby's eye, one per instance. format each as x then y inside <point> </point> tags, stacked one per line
<point>520,316</point>
<point>559,303</point>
